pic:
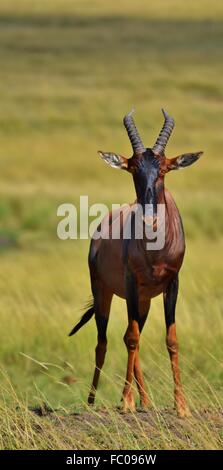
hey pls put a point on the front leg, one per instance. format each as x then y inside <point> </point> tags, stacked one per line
<point>170,299</point>
<point>131,338</point>
<point>144,306</point>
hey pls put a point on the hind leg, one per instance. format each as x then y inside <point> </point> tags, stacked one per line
<point>103,298</point>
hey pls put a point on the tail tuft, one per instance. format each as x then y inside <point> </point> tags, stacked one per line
<point>84,319</point>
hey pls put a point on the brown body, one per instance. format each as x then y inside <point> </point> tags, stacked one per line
<point>128,269</point>
<point>153,270</point>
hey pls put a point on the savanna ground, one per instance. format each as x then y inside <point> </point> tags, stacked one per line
<point>69,72</point>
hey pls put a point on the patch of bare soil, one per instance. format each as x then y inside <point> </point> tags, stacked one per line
<point>158,426</point>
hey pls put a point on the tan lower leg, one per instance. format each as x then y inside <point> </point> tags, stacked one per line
<point>144,399</point>
<point>131,339</point>
<point>172,347</point>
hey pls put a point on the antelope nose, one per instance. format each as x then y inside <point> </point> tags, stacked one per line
<point>148,219</point>
<point>151,221</point>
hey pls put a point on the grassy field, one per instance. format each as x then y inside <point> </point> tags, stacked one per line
<point>69,72</point>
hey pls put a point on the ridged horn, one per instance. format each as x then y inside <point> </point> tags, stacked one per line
<point>133,134</point>
<point>164,134</point>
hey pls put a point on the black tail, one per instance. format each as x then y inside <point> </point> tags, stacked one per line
<point>84,319</point>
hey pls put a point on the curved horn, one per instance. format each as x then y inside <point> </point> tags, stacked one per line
<point>133,134</point>
<point>164,134</point>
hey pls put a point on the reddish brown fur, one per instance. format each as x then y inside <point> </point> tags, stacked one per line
<point>153,271</point>
<point>133,272</point>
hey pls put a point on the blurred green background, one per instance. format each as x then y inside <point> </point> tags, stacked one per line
<point>69,72</point>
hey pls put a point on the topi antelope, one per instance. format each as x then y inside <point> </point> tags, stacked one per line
<point>131,271</point>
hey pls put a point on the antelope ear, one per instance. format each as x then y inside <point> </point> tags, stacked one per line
<point>114,160</point>
<point>182,161</point>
